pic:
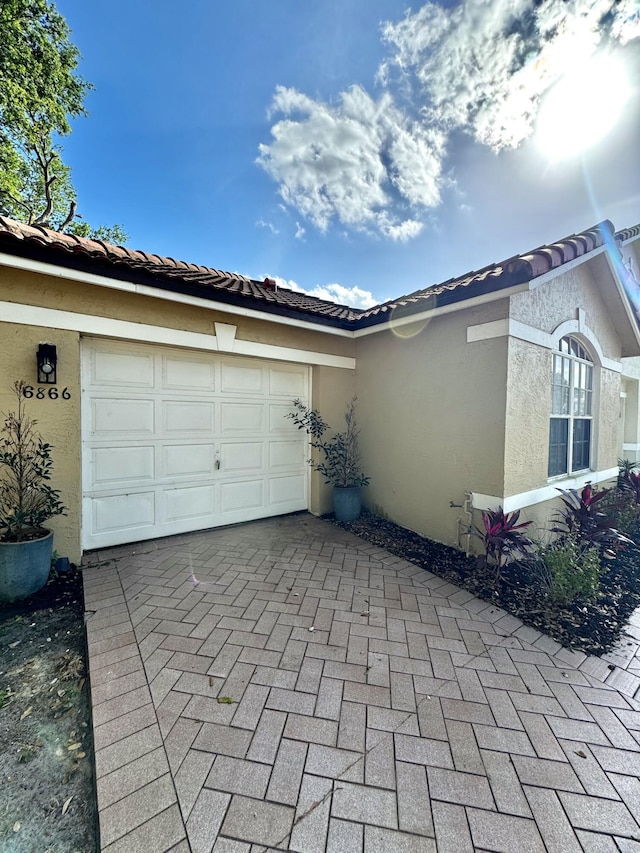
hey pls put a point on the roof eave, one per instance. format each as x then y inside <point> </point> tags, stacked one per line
<point>159,281</point>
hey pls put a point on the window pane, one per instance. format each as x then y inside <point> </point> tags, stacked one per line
<point>589,399</point>
<point>579,402</point>
<point>559,401</point>
<point>560,385</point>
<point>558,446</point>
<point>581,444</point>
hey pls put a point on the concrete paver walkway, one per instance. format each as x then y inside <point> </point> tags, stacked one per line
<point>283,685</point>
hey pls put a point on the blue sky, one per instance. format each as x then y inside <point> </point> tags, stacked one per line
<point>357,149</point>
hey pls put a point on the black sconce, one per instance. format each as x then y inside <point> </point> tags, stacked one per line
<point>47,361</point>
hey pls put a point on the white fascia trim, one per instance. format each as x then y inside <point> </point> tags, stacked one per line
<point>487,331</point>
<point>546,493</point>
<point>634,448</point>
<point>444,309</point>
<point>524,332</point>
<point>31,315</point>
<point>166,295</point>
<point>570,265</point>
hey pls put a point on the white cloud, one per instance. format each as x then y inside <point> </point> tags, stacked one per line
<point>362,161</point>
<point>352,296</point>
<point>478,67</point>
<point>300,231</point>
<point>483,67</point>
<point>262,224</point>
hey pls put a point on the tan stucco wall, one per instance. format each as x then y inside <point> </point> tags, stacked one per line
<point>558,300</point>
<point>50,292</point>
<point>528,413</point>
<point>432,410</point>
<point>58,420</point>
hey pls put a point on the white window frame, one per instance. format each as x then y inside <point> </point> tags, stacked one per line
<point>578,406</point>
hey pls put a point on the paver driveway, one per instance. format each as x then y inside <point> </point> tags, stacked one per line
<point>283,685</point>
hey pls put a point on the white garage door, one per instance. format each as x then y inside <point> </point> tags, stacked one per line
<point>175,440</point>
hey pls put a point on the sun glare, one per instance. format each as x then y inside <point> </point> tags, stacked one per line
<point>582,107</point>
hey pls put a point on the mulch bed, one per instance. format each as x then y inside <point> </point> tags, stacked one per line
<point>592,627</point>
<point>48,802</point>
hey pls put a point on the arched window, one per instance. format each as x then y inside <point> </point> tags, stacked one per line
<point>571,408</point>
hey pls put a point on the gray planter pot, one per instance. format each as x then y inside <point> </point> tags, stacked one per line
<point>346,502</point>
<point>24,567</point>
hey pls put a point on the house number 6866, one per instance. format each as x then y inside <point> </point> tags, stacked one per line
<point>51,393</point>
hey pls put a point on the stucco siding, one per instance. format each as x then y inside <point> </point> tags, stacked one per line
<point>608,420</point>
<point>528,412</point>
<point>432,410</point>
<point>58,420</point>
<point>558,300</point>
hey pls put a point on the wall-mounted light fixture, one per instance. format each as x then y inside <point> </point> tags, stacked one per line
<point>47,360</point>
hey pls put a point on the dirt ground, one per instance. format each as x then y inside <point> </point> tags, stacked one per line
<point>48,802</point>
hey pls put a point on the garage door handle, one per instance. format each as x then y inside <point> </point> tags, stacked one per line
<point>217,462</point>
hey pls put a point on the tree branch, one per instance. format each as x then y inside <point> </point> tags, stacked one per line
<point>70,215</point>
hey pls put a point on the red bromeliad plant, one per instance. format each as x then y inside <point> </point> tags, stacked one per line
<point>633,481</point>
<point>502,536</point>
<point>583,519</point>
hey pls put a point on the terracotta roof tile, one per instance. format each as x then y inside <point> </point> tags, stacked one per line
<point>628,233</point>
<point>169,273</point>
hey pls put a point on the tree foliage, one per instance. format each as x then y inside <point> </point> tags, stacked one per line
<point>40,93</point>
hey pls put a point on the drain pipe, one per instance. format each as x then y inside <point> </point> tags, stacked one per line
<point>463,523</point>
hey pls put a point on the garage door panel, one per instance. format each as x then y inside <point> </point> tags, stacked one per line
<point>242,417</point>
<point>122,464</point>
<point>242,378</point>
<point>245,494</point>
<point>124,512</point>
<point>241,456</point>
<point>194,502</point>
<point>188,416</point>
<point>110,416</point>
<point>122,369</point>
<point>287,383</point>
<point>287,490</point>
<point>278,420</point>
<point>285,454</point>
<point>188,460</point>
<point>176,440</point>
<point>180,374</point>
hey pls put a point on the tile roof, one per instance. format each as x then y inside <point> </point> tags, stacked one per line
<point>122,263</point>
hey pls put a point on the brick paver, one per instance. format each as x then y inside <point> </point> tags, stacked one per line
<point>283,685</point>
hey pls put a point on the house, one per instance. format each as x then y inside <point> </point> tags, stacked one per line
<point>167,390</point>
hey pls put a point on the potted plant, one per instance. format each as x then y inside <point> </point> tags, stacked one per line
<point>27,502</point>
<point>339,461</point>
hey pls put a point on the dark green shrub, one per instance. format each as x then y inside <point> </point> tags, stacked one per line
<point>568,569</point>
